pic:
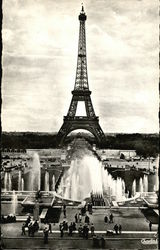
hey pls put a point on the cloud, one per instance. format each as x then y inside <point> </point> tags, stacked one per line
<point>40,44</point>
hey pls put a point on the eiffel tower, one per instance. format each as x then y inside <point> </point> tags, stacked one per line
<point>81,93</point>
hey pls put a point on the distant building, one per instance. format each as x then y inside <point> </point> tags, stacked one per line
<point>128,153</point>
<point>13,150</point>
<point>115,153</point>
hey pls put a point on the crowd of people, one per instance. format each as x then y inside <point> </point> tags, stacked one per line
<point>83,229</point>
<point>8,219</point>
<point>110,219</point>
<point>31,225</point>
<point>81,223</point>
<point>118,229</point>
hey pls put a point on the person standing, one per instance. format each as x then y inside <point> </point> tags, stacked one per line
<point>80,230</point>
<point>150,226</point>
<point>87,231</point>
<point>92,229</point>
<point>103,242</point>
<point>64,210</point>
<point>84,209</point>
<point>36,226</point>
<point>111,218</point>
<point>84,230</point>
<point>106,219</point>
<point>76,218</point>
<point>28,220</point>
<point>2,242</point>
<point>50,228</point>
<point>88,207</point>
<point>70,229</point>
<point>30,229</point>
<point>74,226</point>
<point>65,225</point>
<point>120,229</point>
<point>90,211</point>
<point>80,218</point>
<point>61,230</point>
<point>86,219</point>
<point>45,232</point>
<point>116,229</point>
<point>23,229</point>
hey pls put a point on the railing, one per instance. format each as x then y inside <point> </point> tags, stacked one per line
<point>80,118</point>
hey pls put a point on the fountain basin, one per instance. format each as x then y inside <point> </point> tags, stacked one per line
<point>45,201</point>
<point>59,200</point>
<point>151,201</point>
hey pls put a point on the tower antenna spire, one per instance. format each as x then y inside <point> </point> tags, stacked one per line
<point>82,7</point>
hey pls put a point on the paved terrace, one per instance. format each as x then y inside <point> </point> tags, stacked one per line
<point>134,229</point>
<point>131,219</point>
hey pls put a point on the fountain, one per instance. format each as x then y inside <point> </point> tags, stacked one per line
<point>87,175</point>
<point>5,180</point>
<point>35,174</point>
<point>46,181</point>
<point>134,188</point>
<point>113,187</point>
<point>145,183</point>
<point>119,190</point>
<point>105,180</point>
<point>156,186</point>
<point>9,182</point>
<point>14,202</point>
<point>19,180</point>
<point>123,188</point>
<point>53,183</point>
<point>22,183</point>
<point>141,190</point>
<point>61,189</point>
<point>75,185</point>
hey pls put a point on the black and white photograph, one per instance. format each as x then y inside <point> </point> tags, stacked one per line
<point>80,124</point>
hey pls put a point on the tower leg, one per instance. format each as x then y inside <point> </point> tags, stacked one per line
<point>72,124</point>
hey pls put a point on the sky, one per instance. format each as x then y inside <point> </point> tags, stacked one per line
<point>40,46</point>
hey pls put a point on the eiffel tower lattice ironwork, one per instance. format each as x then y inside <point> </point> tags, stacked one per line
<point>81,93</point>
